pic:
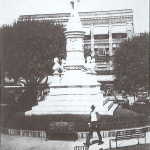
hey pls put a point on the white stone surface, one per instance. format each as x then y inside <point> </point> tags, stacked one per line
<point>75,52</point>
<point>77,89</point>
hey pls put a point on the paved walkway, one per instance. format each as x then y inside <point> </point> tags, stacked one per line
<point>9,142</point>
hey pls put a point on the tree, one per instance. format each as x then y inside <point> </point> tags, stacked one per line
<point>28,49</point>
<point>131,63</point>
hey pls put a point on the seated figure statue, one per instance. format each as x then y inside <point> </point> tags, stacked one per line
<point>56,66</point>
<point>89,65</point>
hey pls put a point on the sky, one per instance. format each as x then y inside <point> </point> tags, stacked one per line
<point>10,10</point>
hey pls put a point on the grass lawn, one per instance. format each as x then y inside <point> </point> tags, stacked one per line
<point>120,111</point>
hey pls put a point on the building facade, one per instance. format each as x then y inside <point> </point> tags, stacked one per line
<point>105,30</point>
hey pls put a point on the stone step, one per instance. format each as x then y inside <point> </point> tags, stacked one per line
<point>70,103</point>
<point>29,113</point>
<point>65,112</point>
<point>73,97</point>
<point>71,107</point>
<point>88,105</point>
<point>68,108</point>
<point>56,91</point>
<point>83,109</point>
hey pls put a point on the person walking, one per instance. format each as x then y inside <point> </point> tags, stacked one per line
<point>94,126</point>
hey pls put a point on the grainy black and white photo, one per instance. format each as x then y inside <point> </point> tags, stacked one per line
<point>75,74</point>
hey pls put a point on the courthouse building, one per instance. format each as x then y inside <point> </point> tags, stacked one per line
<point>104,31</point>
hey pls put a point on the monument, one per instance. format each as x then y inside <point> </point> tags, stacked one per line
<point>77,89</point>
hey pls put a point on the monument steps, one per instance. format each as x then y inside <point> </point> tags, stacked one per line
<point>62,101</point>
<point>71,107</point>
<point>108,103</point>
<point>29,113</point>
<point>71,97</point>
<point>74,91</point>
<point>67,108</point>
<point>66,104</point>
<point>69,112</point>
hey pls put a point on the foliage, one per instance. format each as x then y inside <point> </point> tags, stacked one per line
<point>28,49</point>
<point>131,63</point>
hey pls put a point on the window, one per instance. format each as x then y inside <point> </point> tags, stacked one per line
<point>100,51</point>
<point>119,35</point>
<point>96,51</point>
<point>107,51</point>
<point>106,36</point>
<point>87,37</point>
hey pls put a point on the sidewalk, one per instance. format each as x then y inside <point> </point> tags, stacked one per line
<point>122,143</point>
<point>9,142</point>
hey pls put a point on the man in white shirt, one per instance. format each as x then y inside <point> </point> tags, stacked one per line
<point>94,126</point>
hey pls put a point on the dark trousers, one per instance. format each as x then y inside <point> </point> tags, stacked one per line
<point>94,127</point>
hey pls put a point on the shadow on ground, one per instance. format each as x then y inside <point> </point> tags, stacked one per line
<point>133,147</point>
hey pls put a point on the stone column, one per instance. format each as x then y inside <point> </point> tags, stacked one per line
<point>110,40</point>
<point>92,41</point>
<point>75,51</point>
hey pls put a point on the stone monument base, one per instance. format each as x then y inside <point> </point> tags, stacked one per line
<point>73,95</point>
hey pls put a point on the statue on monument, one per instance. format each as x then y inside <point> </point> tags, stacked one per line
<point>74,23</point>
<point>56,66</point>
<point>89,65</point>
<point>74,6</point>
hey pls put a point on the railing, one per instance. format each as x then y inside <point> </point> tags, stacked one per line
<point>102,59</point>
<point>105,101</point>
<point>87,41</point>
<point>81,148</point>
<point>102,40</point>
<point>118,40</point>
<point>97,41</point>
<point>110,106</point>
<point>42,134</point>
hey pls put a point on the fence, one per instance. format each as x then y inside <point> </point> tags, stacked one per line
<point>40,122</point>
<point>42,134</point>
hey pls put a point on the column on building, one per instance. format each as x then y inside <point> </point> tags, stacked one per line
<point>129,26</point>
<point>110,46</point>
<point>110,40</point>
<point>92,41</point>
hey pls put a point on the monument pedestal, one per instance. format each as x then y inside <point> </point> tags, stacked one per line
<point>74,94</point>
